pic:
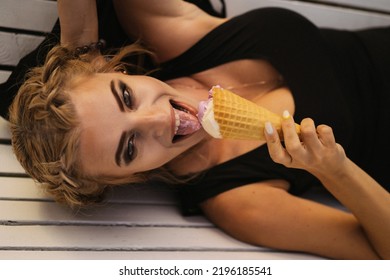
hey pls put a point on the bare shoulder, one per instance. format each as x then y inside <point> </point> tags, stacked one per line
<point>265,215</point>
<point>169,27</point>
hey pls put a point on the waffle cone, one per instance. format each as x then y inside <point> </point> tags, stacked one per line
<point>239,118</point>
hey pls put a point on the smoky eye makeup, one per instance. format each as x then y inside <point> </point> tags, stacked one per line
<point>127,95</point>
<point>126,151</point>
<point>130,149</point>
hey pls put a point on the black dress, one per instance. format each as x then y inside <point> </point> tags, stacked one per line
<point>338,78</point>
<point>109,29</point>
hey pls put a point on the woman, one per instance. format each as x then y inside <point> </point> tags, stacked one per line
<point>101,126</point>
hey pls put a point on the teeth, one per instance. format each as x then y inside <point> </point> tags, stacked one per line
<point>177,122</point>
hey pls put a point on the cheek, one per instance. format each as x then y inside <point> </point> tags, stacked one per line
<point>152,155</point>
<point>94,147</point>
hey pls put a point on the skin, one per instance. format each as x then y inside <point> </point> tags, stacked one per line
<point>283,221</point>
<point>288,220</point>
<point>149,117</point>
<point>262,213</point>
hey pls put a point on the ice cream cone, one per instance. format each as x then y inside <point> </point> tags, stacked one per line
<point>239,118</point>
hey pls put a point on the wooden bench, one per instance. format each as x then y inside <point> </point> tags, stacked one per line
<point>136,222</point>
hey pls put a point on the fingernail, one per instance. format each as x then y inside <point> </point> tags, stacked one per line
<point>268,128</point>
<point>286,114</point>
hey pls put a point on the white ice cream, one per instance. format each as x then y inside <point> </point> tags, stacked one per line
<point>206,117</point>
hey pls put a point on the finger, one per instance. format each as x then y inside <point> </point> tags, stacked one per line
<point>275,148</point>
<point>326,136</point>
<point>309,135</point>
<point>291,139</point>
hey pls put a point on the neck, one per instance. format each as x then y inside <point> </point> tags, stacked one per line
<point>252,90</point>
<point>196,159</point>
<point>197,85</point>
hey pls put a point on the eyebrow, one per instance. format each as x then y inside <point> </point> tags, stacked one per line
<point>116,95</point>
<point>119,149</point>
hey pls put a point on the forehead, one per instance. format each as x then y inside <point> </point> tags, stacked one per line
<point>93,100</point>
<point>85,85</point>
<point>97,111</point>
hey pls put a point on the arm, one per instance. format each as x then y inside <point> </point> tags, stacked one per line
<point>168,27</point>
<point>79,22</point>
<point>319,154</point>
<point>263,214</point>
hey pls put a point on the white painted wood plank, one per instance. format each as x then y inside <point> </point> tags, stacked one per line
<point>4,129</point>
<point>321,15</point>
<point>27,189</point>
<point>14,46</point>
<point>8,161</point>
<point>138,217</point>
<point>36,15</point>
<point>21,189</point>
<point>119,238</point>
<point>164,240</point>
<point>4,75</point>
<point>129,214</point>
<point>381,5</point>
<point>151,255</point>
<point>50,213</point>
<point>147,194</point>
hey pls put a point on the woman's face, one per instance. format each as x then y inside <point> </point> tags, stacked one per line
<point>128,123</point>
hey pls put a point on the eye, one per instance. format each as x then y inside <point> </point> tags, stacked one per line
<point>127,96</point>
<point>131,151</point>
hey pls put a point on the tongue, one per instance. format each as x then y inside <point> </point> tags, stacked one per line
<point>188,123</point>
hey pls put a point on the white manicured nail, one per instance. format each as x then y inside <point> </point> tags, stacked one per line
<point>286,114</point>
<point>268,128</point>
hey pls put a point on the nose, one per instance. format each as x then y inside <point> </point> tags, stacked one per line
<point>153,122</point>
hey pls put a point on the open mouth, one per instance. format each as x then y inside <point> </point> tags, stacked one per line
<point>186,121</point>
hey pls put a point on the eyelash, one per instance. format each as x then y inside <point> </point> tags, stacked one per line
<point>131,151</point>
<point>128,100</point>
<point>127,96</point>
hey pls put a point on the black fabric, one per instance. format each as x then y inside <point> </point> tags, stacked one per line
<point>248,168</point>
<point>9,89</point>
<point>339,78</point>
<point>333,76</point>
<point>206,6</point>
<point>109,29</point>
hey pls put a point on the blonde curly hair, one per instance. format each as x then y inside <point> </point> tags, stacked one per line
<point>45,127</point>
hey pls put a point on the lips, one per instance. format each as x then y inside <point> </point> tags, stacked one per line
<point>185,121</point>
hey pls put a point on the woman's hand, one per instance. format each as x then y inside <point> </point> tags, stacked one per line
<point>317,152</point>
<point>314,150</point>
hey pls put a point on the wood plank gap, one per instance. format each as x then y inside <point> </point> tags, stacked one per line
<point>346,6</point>
<point>105,203</point>
<point>14,175</point>
<point>5,67</point>
<point>146,203</point>
<point>22,31</point>
<point>156,249</point>
<point>11,223</point>
<point>5,141</point>
<point>18,199</point>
